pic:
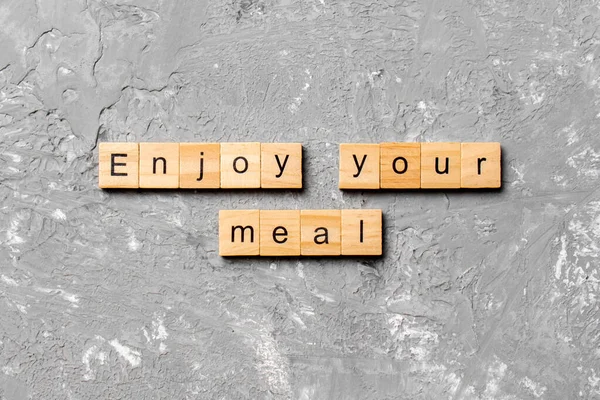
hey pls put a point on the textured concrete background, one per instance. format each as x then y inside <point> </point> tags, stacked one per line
<point>121,295</point>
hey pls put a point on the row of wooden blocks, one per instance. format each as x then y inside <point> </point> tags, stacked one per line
<point>300,232</point>
<point>420,165</point>
<point>279,165</point>
<point>200,165</point>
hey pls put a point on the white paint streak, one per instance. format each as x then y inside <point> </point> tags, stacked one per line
<point>8,281</point>
<point>70,297</point>
<point>562,257</point>
<point>132,356</point>
<point>59,215</point>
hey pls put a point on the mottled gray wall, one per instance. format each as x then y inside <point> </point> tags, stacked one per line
<point>122,295</point>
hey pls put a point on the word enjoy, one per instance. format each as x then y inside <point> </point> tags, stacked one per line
<point>420,166</point>
<point>300,232</point>
<point>200,165</point>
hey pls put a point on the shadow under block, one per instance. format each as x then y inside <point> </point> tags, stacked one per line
<point>440,165</point>
<point>480,165</point>
<point>320,232</point>
<point>359,166</point>
<point>400,165</point>
<point>199,165</point>
<point>239,233</point>
<point>361,233</point>
<point>240,165</point>
<point>279,232</point>
<point>159,165</point>
<point>118,165</point>
<point>281,166</point>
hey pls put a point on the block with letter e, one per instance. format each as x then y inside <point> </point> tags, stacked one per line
<point>239,233</point>
<point>279,232</point>
<point>118,165</point>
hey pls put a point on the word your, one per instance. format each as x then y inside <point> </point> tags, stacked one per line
<point>300,232</point>
<point>200,165</point>
<point>420,165</point>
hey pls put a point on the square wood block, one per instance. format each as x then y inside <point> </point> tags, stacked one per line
<point>481,165</point>
<point>320,232</point>
<point>159,165</point>
<point>279,232</point>
<point>239,233</point>
<point>359,166</point>
<point>281,166</point>
<point>118,165</point>
<point>400,165</point>
<point>240,165</point>
<point>361,233</point>
<point>440,165</point>
<point>199,165</point>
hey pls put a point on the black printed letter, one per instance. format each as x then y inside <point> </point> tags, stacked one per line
<point>281,167</point>
<point>360,166</point>
<point>155,160</point>
<point>324,235</point>
<point>245,165</point>
<point>242,231</point>
<point>405,165</point>
<point>283,232</point>
<point>114,164</point>
<point>201,167</point>
<point>437,166</point>
<point>479,161</point>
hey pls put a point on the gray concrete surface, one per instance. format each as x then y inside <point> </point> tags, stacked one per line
<point>121,295</point>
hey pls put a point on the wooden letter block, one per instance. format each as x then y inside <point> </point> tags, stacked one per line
<point>279,233</point>
<point>361,233</point>
<point>320,232</point>
<point>239,233</point>
<point>281,165</point>
<point>440,165</point>
<point>359,166</point>
<point>240,165</point>
<point>480,165</point>
<point>199,165</point>
<point>400,165</point>
<point>159,165</point>
<point>118,165</point>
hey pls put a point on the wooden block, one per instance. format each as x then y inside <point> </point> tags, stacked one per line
<point>320,232</point>
<point>361,232</point>
<point>239,233</point>
<point>480,165</point>
<point>359,166</point>
<point>118,165</point>
<point>400,165</point>
<point>281,165</point>
<point>279,232</point>
<point>159,165</point>
<point>440,165</point>
<point>199,165</point>
<point>240,165</point>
